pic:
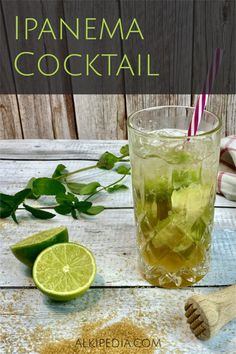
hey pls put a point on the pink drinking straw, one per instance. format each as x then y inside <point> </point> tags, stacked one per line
<point>207,89</point>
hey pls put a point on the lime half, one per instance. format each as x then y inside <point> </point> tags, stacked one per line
<point>64,271</point>
<point>28,249</point>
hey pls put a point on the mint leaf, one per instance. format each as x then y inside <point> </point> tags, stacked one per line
<point>5,209</point>
<point>13,215</point>
<point>94,210</point>
<point>107,161</point>
<point>6,199</point>
<point>67,198</point>
<point>75,187</point>
<point>9,203</point>
<point>38,213</point>
<point>67,205</point>
<point>183,178</point>
<point>83,188</point>
<point>20,197</point>
<point>47,186</point>
<point>30,186</point>
<point>89,188</point>
<point>123,170</point>
<point>74,214</point>
<point>83,206</point>
<point>57,186</point>
<point>116,188</point>
<point>124,150</point>
<point>63,209</point>
<point>59,171</point>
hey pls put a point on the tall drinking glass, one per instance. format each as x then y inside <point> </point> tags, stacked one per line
<point>174,187</point>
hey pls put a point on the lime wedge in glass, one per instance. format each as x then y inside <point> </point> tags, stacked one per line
<point>64,271</point>
<point>28,249</point>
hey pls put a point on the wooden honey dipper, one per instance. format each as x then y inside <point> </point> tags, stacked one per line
<point>208,313</point>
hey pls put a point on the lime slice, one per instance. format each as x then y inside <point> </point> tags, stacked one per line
<point>64,271</point>
<point>28,249</point>
<point>192,200</point>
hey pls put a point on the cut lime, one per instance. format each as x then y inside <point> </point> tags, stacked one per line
<point>28,249</point>
<point>64,271</point>
<point>192,200</point>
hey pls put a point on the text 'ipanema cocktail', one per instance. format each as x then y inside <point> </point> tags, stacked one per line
<point>174,186</point>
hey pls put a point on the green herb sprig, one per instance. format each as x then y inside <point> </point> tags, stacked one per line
<point>65,192</point>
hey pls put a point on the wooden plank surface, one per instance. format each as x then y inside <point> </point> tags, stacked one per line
<point>231,116</point>
<point>217,32</point>
<point>44,149</point>
<point>29,320</point>
<point>224,107</point>
<point>41,116</point>
<point>63,120</point>
<point>14,176</point>
<point>34,110</point>
<point>105,116</point>
<point>156,18</point>
<point>51,116</point>
<point>10,124</point>
<point>111,236</point>
<point>100,116</point>
<point>29,112</point>
<point>97,116</point>
<point>137,102</point>
<point>36,107</point>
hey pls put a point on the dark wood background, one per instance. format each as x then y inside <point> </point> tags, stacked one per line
<point>105,116</point>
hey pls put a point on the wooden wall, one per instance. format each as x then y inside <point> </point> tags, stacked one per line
<point>91,116</point>
<point>104,116</point>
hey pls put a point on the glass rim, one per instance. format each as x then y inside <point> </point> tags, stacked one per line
<point>148,133</point>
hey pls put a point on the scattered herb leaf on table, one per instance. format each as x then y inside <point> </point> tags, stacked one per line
<point>65,192</point>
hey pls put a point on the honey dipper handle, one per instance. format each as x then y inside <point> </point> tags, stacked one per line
<point>226,300</point>
<point>219,307</point>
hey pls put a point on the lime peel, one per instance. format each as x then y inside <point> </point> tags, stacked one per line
<point>27,250</point>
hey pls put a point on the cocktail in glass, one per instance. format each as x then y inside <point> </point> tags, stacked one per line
<point>174,187</point>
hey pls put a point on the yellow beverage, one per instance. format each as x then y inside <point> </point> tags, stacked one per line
<point>174,183</point>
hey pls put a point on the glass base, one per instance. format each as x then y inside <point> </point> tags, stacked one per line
<point>158,276</point>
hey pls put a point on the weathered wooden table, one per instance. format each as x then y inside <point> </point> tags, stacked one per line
<point>29,319</point>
